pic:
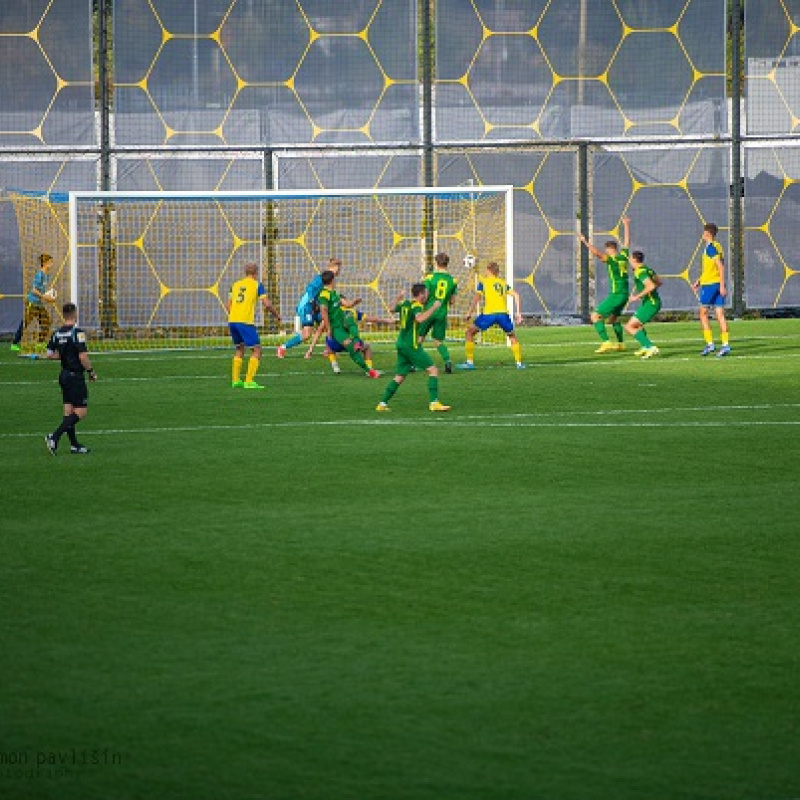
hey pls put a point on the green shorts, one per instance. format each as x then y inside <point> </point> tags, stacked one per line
<point>647,311</point>
<point>340,334</point>
<point>407,359</point>
<point>436,325</point>
<point>612,306</point>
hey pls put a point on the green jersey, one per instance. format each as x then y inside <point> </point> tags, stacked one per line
<point>618,272</point>
<point>408,338</point>
<point>333,301</point>
<point>441,286</point>
<point>640,276</point>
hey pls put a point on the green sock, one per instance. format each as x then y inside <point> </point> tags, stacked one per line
<point>600,327</point>
<point>618,331</point>
<point>641,337</point>
<point>433,389</point>
<point>444,352</point>
<point>390,391</point>
<point>357,357</point>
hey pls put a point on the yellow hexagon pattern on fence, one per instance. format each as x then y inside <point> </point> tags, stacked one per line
<point>781,81</point>
<point>302,81</point>
<point>779,229</point>
<point>30,66</point>
<point>537,46</point>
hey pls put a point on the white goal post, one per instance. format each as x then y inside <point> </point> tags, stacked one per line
<point>153,269</point>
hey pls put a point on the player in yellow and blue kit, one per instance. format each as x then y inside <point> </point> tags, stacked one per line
<point>493,292</point>
<point>713,291</point>
<point>242,301</point>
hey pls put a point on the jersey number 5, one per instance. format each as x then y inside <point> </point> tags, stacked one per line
<point>240,297</point>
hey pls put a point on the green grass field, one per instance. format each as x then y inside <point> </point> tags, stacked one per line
<point>581,583</point>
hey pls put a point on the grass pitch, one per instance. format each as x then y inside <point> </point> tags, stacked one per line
<point>581,583</point>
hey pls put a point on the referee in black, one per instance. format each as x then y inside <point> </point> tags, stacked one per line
<point>68,344</point>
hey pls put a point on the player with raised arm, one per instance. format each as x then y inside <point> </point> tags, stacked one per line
<point>713,291</point>
<point>330,306</point>
<point>493,292</point>
<point>645,288</point>
<point>309,312</point>
<point>610,309</point>
<point>241,306</point>
<point>442,286</point>
<point>410,354</point>
<point>36,301</point>
<point>68,344</point>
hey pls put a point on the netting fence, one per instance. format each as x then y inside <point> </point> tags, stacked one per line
<point>674,113</point>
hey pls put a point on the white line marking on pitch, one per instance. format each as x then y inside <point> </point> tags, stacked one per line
<point>604,362</point>
<point>524,420</point>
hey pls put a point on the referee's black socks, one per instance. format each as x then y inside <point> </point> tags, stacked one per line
<point>68,426</point>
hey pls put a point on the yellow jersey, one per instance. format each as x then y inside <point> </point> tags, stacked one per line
<point>710,274</point>
<point>495,294</point>
<point>244,298</point>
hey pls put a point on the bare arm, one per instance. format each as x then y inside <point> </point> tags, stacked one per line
<point>379,320</point>
<point>326,317</point>
<point>477,297</point>
<point>87,365</point>
<point>723,289</point>
<point>626,237</point>
<point>649,286</point>
<point>591,248</point>
<point>318,331</point>
<point>269,307</point>
<point>427,314</point>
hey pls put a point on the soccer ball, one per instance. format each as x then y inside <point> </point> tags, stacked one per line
<point>469,261</point>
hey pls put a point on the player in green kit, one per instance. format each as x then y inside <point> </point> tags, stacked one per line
<point>610,309</point>
<point>330,306</point>
<point>410,355</point>
<point>441,286</point>
<point>646,283</point>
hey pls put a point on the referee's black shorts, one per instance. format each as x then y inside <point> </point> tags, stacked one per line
<point>73,388</point>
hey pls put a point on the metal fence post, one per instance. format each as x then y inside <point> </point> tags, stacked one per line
<point>583,211</point>
<point>426,53</point>
<point>108,314</point>
<point>737,188</point>
<point>269,238</point>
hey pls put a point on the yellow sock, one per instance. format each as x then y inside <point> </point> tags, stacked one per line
<point>252,368</point>
<point>237,369</point>
<point>332,358</point>
<point>368,362</point>
<point>516,349</point>
<point>469,349</point>
<point>709,337</point>
<point>725,338</point>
